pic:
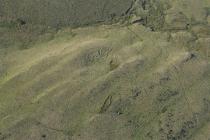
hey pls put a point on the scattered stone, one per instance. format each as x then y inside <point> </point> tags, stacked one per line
<point>113,64</point>
<point>164,79</point>
<point>44,136</point>
<point>135,19</point>
<point>135,92</point>
<point>189,56</point>
<point>21,22</point>
<point>119,113</point>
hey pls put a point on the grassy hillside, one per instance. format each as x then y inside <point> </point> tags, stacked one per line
<point>107,82</point>
<point>146,78</point>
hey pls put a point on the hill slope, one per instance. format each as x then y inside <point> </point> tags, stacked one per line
<point>107,82</point>
<point>144,78</point>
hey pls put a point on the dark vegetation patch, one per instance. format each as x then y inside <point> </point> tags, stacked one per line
<point>113,64</point>
<point>44,136</point>
<point>92,55</point>
<point>21,35</point>
<point>136,92</point>
<point>188,125</point>
<point>120,107</point>
<point>82,13</point>
<point>107,103</point>
<point>64,12</point>
<point>166,95</point>
<point>207,9</point>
